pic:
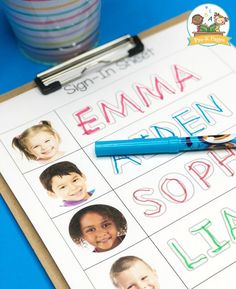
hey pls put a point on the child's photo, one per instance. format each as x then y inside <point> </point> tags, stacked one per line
<point>132,272</point>
<point>40,142</point>
<point>138,266</point>
<point>101,226</point>
<point>65,181</point>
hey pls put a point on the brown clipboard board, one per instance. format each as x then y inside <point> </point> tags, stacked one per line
<point>22,219</point>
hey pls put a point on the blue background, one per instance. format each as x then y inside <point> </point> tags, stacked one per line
<point>19,266</point>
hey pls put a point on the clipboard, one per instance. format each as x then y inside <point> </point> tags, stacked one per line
<point>22,219</point>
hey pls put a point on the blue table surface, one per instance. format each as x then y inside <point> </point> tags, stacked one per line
<point>19,266</point>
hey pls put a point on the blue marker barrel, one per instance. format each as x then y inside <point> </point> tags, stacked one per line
<point>168,145</point>
<point>137,146</point>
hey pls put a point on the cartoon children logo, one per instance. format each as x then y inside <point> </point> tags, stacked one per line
<point>208,25</point>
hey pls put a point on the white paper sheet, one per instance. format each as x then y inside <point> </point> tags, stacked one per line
<point>185,229</point>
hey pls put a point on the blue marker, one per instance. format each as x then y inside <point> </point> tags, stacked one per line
<point>141,146</point>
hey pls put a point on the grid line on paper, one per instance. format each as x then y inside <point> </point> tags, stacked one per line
<point>169,264</point>
<point>152,113</point>
<point>82,148</point>
<point>49,218</point>
<point>122,77</point>
<point>100,262</point>
<point>76,207</point>
<point>184,216</point>
<point>113,188</point>
<point>73,254</point>
<point>221,59</point>
<point>194,210</point>
<point>148,236</point>
<point>218,272</point>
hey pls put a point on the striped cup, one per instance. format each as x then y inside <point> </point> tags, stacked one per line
<point>51,31</point>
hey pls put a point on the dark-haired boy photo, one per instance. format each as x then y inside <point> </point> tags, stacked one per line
<point>64,180</point>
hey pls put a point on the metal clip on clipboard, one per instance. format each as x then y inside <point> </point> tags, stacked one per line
<point>74,68</point>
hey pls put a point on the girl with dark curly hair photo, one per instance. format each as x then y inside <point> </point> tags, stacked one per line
<point>101,226</point>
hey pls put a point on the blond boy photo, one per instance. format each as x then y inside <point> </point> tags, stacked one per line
<point>131,272</point>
